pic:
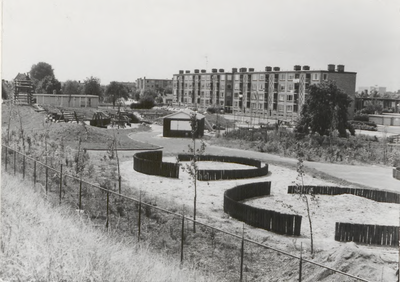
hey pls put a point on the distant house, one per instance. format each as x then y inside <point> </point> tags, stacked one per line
<point>178,125</point>
<point>67,100</point>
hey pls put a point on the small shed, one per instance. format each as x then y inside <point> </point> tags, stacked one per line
<point>178,124</point>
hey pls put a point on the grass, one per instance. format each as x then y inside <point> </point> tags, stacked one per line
<point>40,242</point>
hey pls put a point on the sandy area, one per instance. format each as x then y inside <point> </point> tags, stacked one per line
<point>326,210</point>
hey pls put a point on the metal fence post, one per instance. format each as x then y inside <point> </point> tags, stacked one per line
<point>61,182</point>
<point>15,162</point>
<point>23,167</point>
<point>119,184</point>
<point>34,173</point>
<point>182,233</point>
<point>80,194</point>
<point>301,261</point>
<point>6,159</point>
<point>46,181</point>
<point>140,214</point>
<point>241,256</point>
<point>108,200</point>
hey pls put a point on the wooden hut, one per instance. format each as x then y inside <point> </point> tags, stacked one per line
<point>178,124</point>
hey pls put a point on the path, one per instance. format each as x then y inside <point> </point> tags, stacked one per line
<point>374,176</point>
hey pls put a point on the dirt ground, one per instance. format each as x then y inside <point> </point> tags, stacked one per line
<point>370,262</point>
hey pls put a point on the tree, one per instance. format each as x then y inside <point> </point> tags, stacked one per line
<point>72,87</point>
<point>92,86</point>
<point>41,70</point>
<point>304,196</point>
<point>48,85</point>
<point>325,110</point>
<point>114,91</point>
<point>4,91</point>
<point>192,167</point>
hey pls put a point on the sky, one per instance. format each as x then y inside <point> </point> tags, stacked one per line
<point>122,40</point>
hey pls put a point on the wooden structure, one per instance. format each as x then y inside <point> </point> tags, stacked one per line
<point>68,100</point>
<point>178,125</point>
<point>23,89</point>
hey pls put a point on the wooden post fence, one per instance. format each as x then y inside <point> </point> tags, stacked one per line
<point>300,261</point>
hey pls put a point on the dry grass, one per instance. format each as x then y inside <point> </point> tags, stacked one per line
<point>44,243</point>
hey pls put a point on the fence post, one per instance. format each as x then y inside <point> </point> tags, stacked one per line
<point>140,214</point>
<point>15,162</point>
<point>119,184</point>
<point>182,232</point>
<point>108,200</point>
<point>80,193</point>
<point>34,173</point>
<point>46,181</point>
<point>241,256</point>
<point>301,261</point>
<point>6,158</point>
<point>60,181</point>
<point>23,167</point>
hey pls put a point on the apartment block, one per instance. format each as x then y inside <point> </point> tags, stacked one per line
<point>151,83</point>
<point>269,93</point>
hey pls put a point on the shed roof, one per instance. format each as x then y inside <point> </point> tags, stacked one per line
<point>184,114</point>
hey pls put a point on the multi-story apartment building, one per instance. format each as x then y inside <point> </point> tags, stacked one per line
<point>150,83</point>
<point>268,93</point>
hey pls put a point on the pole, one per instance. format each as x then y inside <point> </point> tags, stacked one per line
<point>6,158</point>
<point>80,194</point>
<point>301,261</point>
<point>60,181</point>
<point>108,200</point>
<point>182,232</point>
<point>34,173</point>
<point>47,177</point>
<point>241,256</point>
<point>140,214</point>
<point>15,161</point>
<point>23,167</point>
<point>119,184</point>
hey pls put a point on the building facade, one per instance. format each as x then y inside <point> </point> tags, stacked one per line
<point>157,85</point>
<point>269,93</point>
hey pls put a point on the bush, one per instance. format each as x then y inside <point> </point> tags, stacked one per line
<point>361,117</point>
<point>144,103</point>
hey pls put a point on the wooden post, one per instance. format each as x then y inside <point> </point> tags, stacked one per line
<point>80,193</point>
<point>140,214</point>
<point>241,256</point>
<point>119,184</point>
<point>60,181</point>
<point>34,173</point>
<point>108,200</point>
<point>301,261</point>
<point>182,233</point>
<point>23,167</point>
<point>15,162</point>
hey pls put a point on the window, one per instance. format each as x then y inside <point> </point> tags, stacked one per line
<point>222,87</point>
<point>222,77</point>
<point>222,94</point>
<point>282,76</point>
<point>325,76</point>
<point>290,86</point>
<point>290,76</point>
<point>261,86</point>
<point>235,104</point>
<point>237,77</point>
<point>236,86</point>
<point>282,87</point>
<point>280,108</point>
<point>262,76</point>
<point>281,97</point>
<point>229,77</point>
<point>254,76</point>
<point>289,108</point>
<point>289,97</point>
<point>253,86</point>
<point>208,77</point>
<point>315,76</point>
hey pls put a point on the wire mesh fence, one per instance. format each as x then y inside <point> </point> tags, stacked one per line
<point>230,256</point>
